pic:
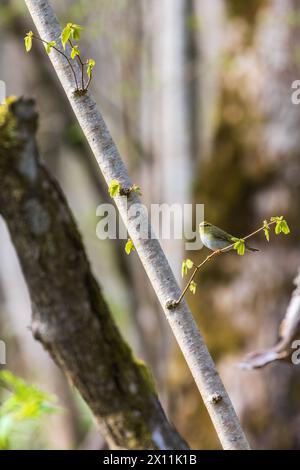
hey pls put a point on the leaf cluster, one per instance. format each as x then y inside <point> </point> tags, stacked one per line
<point>23,404</point>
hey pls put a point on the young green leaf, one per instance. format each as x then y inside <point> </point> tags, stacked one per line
<point>186,264</point>
<point>24,403</point>
<point>49,46</point>
<point>285,228</point>
<point>75,31</point>
<point>239,246</point>
<point>278,221</point>
<point>278,228</point>
<point>74,52</point>
<point>189,263</point>
<point>114,188</point>
<point>65,35</point>
<point>266,230</point>
<point>28,41</point>
<point>91,65</point>
<point>193,287</point>
<point>136,189</point>
<point>281,225</point>
<point>129,246</point>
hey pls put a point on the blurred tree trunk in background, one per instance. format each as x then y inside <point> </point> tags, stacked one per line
<point>165,170</point>
<point>207,24</point>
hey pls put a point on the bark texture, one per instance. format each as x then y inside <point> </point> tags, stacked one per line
<point>149,250</point>
<point>69,314</point>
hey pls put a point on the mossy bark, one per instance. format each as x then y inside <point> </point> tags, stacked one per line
<point>69,315</point>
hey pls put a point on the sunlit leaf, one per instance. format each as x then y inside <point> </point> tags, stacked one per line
<point>129,246</point>
<point>239,246</point>
<point>285,228</point>
<point>186,264</point>
<point>75,31</point>
<point>28,41</point>
<point>24,403</point>
<point>114,188</point>
<point>193,287</point>
<point>74,52</point>
<point>49,46</point>
<point>65,35</point>
<point>266,230</point>
<point>91,65</point>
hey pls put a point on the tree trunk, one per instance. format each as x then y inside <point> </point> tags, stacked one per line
<point>69,314</point>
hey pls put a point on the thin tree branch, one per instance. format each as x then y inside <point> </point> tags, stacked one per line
<point>149,250</point>
<point>69,314</point>
<point>289,332</point>
<point>208,258</point>
<point>63,54</point>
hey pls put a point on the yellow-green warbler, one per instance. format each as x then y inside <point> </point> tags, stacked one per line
<point>215,238</point>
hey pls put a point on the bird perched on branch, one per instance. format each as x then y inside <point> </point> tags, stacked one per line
<point>215,238</point>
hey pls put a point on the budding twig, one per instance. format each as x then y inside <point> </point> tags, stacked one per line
<point>81,64</point>
<point>173,303</point>
<point>63,54</point>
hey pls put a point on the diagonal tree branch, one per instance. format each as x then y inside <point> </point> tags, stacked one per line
<point>70,316</point>
<point>289,332</point>
<point>149,250</point>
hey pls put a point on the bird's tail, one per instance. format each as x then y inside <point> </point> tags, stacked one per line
<point>251,249</point>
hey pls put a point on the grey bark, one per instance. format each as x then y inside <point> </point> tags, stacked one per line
<point>151,255</point>
<point>69,314</point>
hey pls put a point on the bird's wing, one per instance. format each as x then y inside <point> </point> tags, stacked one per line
<point>222,235</point>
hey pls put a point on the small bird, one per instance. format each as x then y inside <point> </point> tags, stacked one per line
<point>215,238</point>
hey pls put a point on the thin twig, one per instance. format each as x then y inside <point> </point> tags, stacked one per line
<point>63,54</point>
<point>89,81</point>
<point>209,257</point>
<point>81,65</point>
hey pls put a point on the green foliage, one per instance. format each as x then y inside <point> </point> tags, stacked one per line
<point>186,264</point>
<point>65,35</point>
<point>266,230</point>
<point>129,246</point>
<point>193,287</point>
<point>76,31</point>
<point>28,41</point>
<point>136,189</point>
<point>24,404</point>
<point>239,245</point>
<point>114,188</point>
<point>49,46</point>
<point>74,52</point>
<point>90,66</point>
<point>7,123</point>
<point>281,225</point>
<point>70,31</point>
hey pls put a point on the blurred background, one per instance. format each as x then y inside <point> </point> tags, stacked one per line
<point>197,96</point>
